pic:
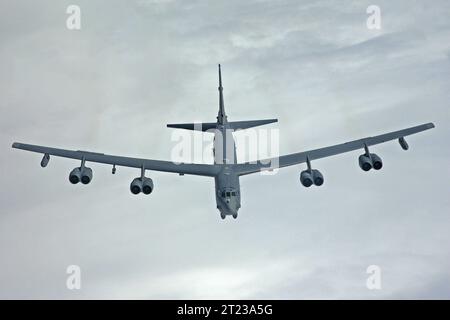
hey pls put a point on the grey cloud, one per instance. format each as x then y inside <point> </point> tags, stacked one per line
<point>136,66</point>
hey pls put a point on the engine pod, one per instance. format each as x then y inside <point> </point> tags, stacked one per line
<point>377,163</point>
<point>86,175</point>
<point>306,178</point>
<point>136,186</point>
<point>365,162</point>
<point>317,178</point>
<point>147,186</point>
<point>75,176</point>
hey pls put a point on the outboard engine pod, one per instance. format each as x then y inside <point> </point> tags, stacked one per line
<point>136,186</point>
<point>306,179</point>
<point>376,161</point>
<point>317,178</point>
<point>147,186</point>
<point>86,175</point>
<point>75,176</point>
<point>365,162</point>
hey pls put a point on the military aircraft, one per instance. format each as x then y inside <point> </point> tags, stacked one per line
<point>225,170</point>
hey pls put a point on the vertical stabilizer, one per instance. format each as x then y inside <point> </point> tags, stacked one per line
<point>221,117</point>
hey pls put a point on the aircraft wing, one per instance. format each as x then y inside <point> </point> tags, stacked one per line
<point>156,165</point>
<point>301,157</point>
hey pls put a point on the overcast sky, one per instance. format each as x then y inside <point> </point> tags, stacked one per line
<point>136,65</point>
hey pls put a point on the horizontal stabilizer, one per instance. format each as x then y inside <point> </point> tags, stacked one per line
<point>194,126</point>
<point>235,125</point>
<point>239,125</point>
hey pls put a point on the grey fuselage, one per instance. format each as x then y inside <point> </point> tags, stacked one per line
<point>228,194</point>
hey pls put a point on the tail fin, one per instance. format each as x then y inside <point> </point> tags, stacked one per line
<point>221,116</point>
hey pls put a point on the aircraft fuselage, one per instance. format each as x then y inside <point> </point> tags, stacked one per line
<point>227,189</point>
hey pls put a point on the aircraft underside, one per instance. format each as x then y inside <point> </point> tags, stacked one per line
<point>225,170</point>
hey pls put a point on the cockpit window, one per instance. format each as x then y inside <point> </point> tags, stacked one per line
<point>228,194</point>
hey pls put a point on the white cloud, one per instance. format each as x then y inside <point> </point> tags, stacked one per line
<point>112,87</point>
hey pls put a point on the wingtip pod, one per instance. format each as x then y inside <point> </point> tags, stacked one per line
<point>403,143</point>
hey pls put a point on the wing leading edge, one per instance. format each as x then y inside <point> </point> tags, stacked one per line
<point>208,170</point>
<point>301,157</point>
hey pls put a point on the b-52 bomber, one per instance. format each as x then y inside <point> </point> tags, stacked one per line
<point>225,170</point>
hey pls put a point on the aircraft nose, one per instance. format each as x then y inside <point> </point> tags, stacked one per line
<point>231,205</point>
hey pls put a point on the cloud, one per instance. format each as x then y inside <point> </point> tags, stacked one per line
<point>135,66</point>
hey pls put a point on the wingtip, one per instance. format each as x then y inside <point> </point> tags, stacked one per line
<point>15,145</point>
<point>431,125</point>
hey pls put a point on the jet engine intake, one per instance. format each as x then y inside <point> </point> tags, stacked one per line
<point>365,162</point>
<point>376,161</point>
<point>136,186</point>
<point>86,175</point>
<point>147,186</point>
<point>317,178</point>
<point>75,176</point>
<point>306,178</point>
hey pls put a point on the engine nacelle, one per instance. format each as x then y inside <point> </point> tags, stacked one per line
<point>365,162</point>
<point>136,186</point>
<point>377,163</point>
<point>86,175</point>
<point>306,178</point>
<point>77,175</point>
<point>317,178</point>
<point>372,161</point>
<point>147,186</point>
